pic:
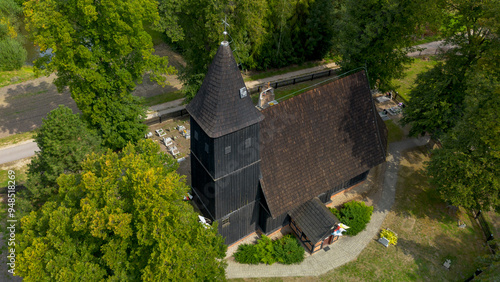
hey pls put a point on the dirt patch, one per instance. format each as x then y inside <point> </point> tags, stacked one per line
<point>174,58</point>
<point>24,105</point>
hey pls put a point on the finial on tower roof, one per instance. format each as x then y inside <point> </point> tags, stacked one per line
<point>224,22</point>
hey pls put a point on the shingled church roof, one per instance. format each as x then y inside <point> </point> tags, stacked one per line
<point>218,107</point>
<point>318,140</point>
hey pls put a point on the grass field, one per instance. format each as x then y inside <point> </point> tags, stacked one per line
<point>404,85</point>
<point>428,235</point>
<point>427,39</point>
<point>20,168</point>
<point>17,76</point>
<point>287,92</point>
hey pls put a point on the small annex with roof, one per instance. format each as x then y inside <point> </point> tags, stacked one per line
<point>262,170</point>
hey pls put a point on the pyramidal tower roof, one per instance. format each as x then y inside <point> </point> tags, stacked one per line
<point>223,104</point>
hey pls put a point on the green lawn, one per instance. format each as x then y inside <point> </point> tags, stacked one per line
<point>395,132</point>
<point>287,92</point>
<point>20,175</point>
<point>427,39</point>
<point>16,138</point>
<point>17,76</point>
<point>404,85</point>
<point>163,98</point>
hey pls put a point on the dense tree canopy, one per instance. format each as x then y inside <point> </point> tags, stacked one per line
<point>101,51</point>
<point>122,218</point>
<point>466,170</point>
<point>378,34</point>
<point>64,141</point>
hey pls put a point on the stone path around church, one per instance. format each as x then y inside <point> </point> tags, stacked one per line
<point>347,248</point>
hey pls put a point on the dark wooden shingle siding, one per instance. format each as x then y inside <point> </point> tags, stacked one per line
<point>241,223</point>
<point>236,190</point>
<point>267,223</point>
<point>217,107</point>
<point>314,141</point>
<point>240,156</point>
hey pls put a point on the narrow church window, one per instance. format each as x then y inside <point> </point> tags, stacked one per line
<point>225,222</point>
<point>196,135</point>
<point>227,150</point>
<point>248,142</point>
<point>206,148</point>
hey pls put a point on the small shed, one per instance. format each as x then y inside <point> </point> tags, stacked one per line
<point>313,224</point>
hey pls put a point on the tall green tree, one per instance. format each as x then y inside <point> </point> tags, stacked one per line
<point>467,169</point>
<point>64,141</point>
<point>378,34</point>
<point>100,50</point>
<point>122,218</point>
<point>437,100</point>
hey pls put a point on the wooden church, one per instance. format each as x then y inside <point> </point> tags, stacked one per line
<point>262,170</point>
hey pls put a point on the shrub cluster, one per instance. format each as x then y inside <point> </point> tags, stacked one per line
<point>389,235</point>
<point>354,214</point>
<point>286,250</point>
<point>12,56</point>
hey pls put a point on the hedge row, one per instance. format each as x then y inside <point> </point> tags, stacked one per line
<point>286,250</point>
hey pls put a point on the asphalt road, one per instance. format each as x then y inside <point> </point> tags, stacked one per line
<point>18,152</point>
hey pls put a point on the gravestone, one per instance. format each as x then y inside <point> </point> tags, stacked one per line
<point>447,264</point>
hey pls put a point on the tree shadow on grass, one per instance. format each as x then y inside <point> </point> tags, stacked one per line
<point>415,197</point>
<point>22,106</point>
<point>462,248</point>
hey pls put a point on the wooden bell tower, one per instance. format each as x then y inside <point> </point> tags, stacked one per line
<point>225,159</point>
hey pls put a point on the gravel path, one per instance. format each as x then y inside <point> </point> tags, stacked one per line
<point>431,48</point>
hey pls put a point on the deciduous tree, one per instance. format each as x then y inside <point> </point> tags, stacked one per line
<point>100,50</point>
<point>467,169</point>
<point>378,34</point>
<point>122,218</point>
